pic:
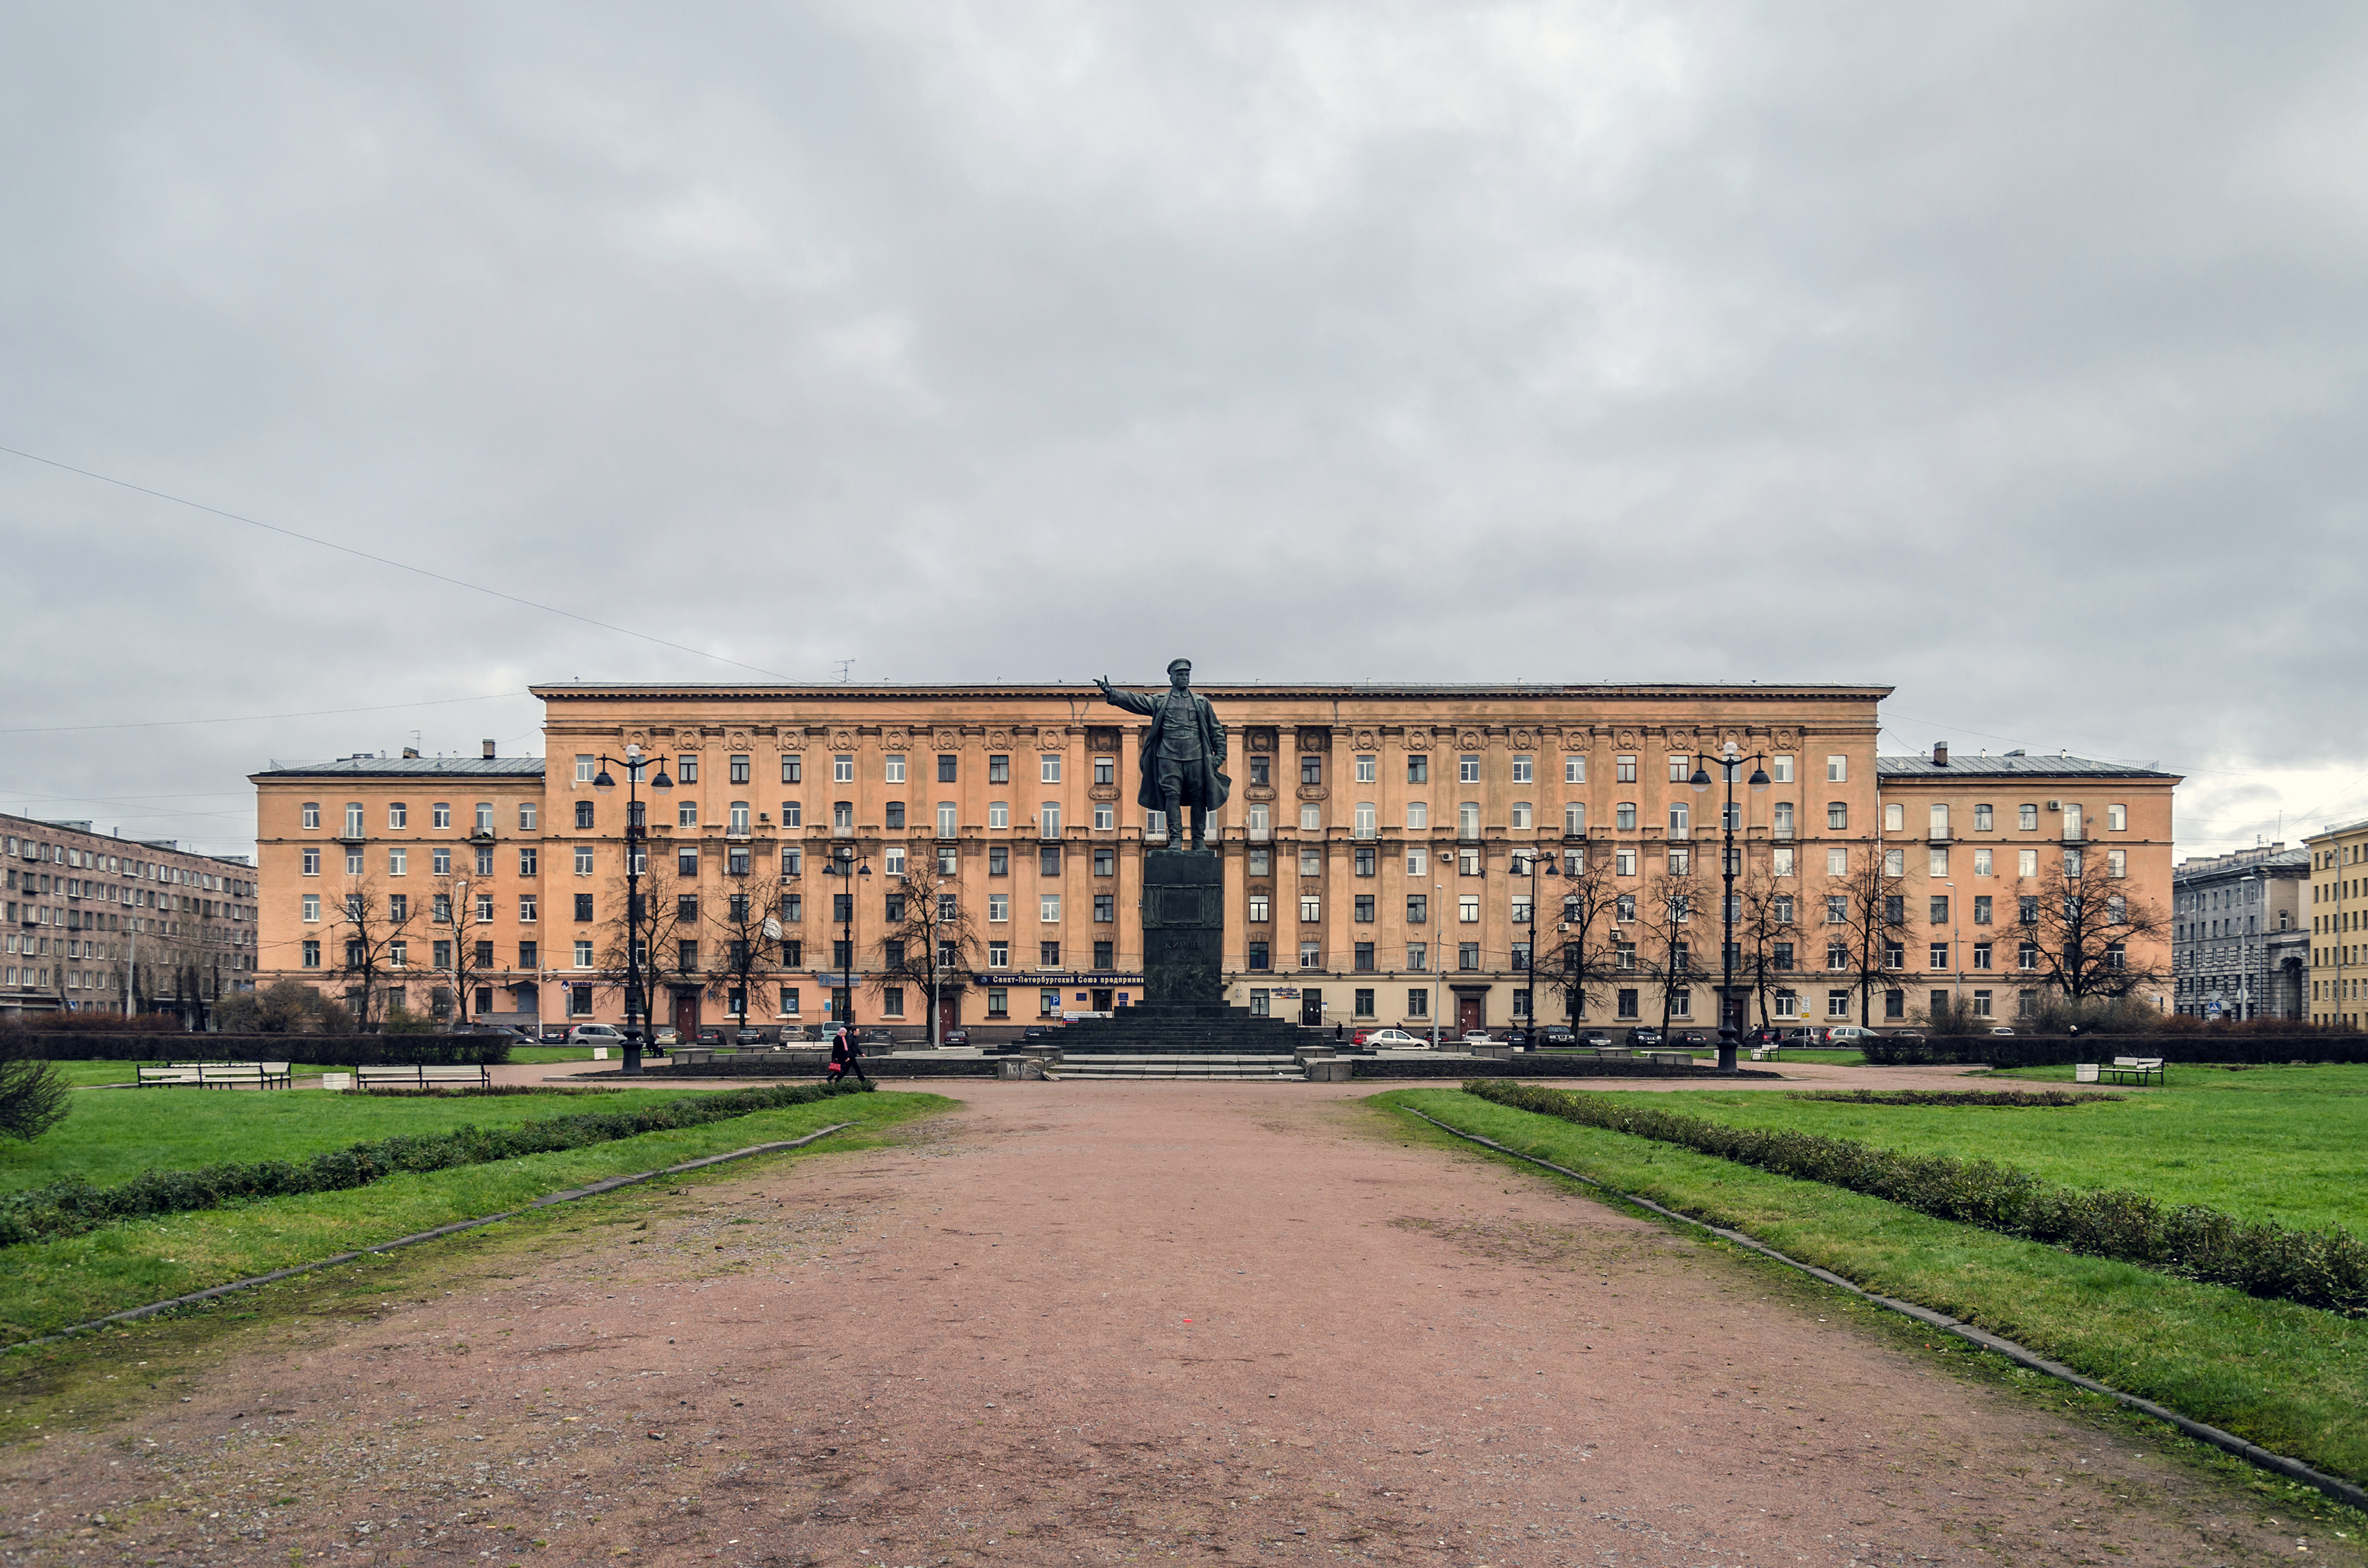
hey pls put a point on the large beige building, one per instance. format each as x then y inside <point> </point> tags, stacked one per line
<point>1378,850</point>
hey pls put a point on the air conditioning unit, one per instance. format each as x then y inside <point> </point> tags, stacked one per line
<point>2055,805</point>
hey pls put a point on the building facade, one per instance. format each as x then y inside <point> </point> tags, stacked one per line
<point>1392,855</point>
<point>2339,892</point>
<point>2240,945</point>
<point>96,922</point>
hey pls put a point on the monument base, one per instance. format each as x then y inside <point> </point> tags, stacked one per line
<point>1183,927</point>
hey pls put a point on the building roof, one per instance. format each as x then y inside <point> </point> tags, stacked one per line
<point>831,691</point>
<point>2013,765</point>
<point>2335,830</point>
<point>2271,858</point>
<point>406,767</point>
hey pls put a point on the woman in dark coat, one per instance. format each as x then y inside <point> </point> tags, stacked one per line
<point>847,1052</point>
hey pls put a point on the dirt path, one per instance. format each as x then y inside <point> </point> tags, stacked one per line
<point>1089,1322</point>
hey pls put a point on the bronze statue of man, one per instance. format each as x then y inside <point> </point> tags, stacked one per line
<point>1183,752</point>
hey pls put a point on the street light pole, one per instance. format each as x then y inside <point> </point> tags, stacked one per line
<point>844,866</point>
<point>636,836</point>
<point>1530,969</point>
<point>1728,763</point>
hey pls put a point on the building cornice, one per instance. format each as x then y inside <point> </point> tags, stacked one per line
<point>849,692</point>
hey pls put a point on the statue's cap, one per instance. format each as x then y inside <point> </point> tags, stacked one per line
<point>1175,664</point>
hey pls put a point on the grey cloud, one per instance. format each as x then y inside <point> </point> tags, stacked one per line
<point>2011,355</point>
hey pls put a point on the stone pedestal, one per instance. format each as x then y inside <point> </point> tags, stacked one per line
<point>1183,927</point>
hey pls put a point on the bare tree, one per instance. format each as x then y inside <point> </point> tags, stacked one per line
<point>1672,902</point>
<point>1582,958</point>
<point>1873,924</point>
<point>2079,928</point>
<point>930,935</point>
<point>376,930</point>
<point>1766,934</point>
<point>455,908</point>
<point>660,917</point>
<point>743,949</point>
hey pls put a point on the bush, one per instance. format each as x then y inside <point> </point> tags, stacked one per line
<point>34,1095</point>
<point>72,1207</point>
<point>92,1023</point>
<point>2327,1270</point>
<point>2011,1100</point>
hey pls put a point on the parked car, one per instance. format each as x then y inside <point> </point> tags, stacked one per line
<point>1596,1039</point>
<point>710,1036</point>
<point>1556,1037</point>
<point>955,1036</point>
<point>1845,1035</point>
<point>498,1031</point>
<point>1764,1035</point>
<point>748,1036</point>
<point>1035,1033</point>
<point>2001,1029</point>
<point>1804,1037</point>
<point>595,1034</point>
<point>1694,1038</point>
<point>1392,1039</point>
<point>553,1034</point>
<point>1644,1037</point>
<point>1518,1039</point>
<point>1477,1036</point>
<point>665,1035</point>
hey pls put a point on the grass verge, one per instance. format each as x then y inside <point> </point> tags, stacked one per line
<point>48,1286</point>
<point>108,1138</point>
<point>2288,1378</point>
<point>2279,1145</point>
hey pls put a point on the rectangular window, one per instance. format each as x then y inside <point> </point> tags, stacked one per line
<point>1837,769</point>
<point>1048,908</point>
<point>1467,770</point>
<point>1981,954</point>
<point>398,815</point>
<point>1310,769</point>
<point>1837,816</point>
<point>2117,819</point>
<point>1894,862</point>
<point>1311,955</point>
<point>527,858</point>
<point>1573,819</point>
<point>2117,862</point>
<point>484,817</point>
<point>1311,910</point>
<point>1259,909</point>
<point>398,862</point>
<point>1524,769</point>
<point>1368,769</point>
<point>1981,819</point>
<point>999,907</point>
<point>312,908</point>
<point>1105,817</point>
<point>1048,821</point>
<point>1467,909</point>
<point>1837,862</point>
<point>1624,862</point>
<point>1418,957</point>
<point>2026,862</point>
<point>2027,816</point>
<point>1981,862</point>
<point>1623,816</point>
<point>1837,1004</point>
<point>893,764</point>
<point>1467,957</point>
<point>1418,768</point>
<point>311,862</point>
<point>1261,771</point>
<point>1048,768</point>
<point>1259,957</point>
<point>1937,860</point>
<point>793,768</point>
<point>1982,910</point>
<point>1940,956</point>
<point>1364,909</point>
<point>686,770</point>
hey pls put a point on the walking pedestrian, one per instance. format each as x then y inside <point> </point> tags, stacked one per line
<point>845,1052</point>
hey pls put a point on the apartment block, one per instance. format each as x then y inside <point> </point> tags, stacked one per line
<point>99,922</point>
<point>2241,945</point>
<point>2339,949</point>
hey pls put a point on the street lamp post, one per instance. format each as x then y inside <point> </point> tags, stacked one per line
<point>1530,969</point>
<point>1438,958</point>
<point>845,864</point>
<point>636,838</point>
<point>1729,1029</point>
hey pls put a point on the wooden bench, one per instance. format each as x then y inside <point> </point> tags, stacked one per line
<point>155,1078</point>
<point>2133,1069</point>
<point>217,1075</point>
<point>422,1076</point>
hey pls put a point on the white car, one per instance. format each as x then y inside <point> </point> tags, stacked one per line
<point>595,1034</point>
<point>1393,1040</point>
<point>1845,1034</point>
<point>1477,1036</point>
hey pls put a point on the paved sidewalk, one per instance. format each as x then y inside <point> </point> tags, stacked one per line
<point>1109,1323</point>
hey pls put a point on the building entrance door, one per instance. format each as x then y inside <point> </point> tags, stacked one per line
<point>686,1015</point>
<point>1467,1014</point>
<point>1311,1007</point>
<point>1101,1001</point>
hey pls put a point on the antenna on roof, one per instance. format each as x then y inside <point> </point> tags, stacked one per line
<point>846,669</point>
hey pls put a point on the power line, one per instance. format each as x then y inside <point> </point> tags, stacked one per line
<point>382,560</point>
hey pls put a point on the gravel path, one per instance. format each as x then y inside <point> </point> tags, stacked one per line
<point>1105,1322</point>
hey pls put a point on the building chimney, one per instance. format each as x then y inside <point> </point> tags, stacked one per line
<point>409,753</point>
<point>1940,753</point>
<point>489,748</point>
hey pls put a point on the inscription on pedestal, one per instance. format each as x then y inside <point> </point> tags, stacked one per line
<point>1183,927</point>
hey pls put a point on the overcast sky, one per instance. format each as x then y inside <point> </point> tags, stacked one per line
<point>2010,355</point>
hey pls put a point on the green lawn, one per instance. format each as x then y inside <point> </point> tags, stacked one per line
<point>50,1284</point>
<point>2290,1378</point>
<point>2284,1145</point>
<point>116,1133</point>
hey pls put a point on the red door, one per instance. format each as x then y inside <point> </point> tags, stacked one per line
<point>686,1015</point>
<point>1467,1014</point>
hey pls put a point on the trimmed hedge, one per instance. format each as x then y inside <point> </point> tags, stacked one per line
<point>318,1050</point>
<point>72,1207</point>
<point>2054,1050</point>
<point>2327,1270</point>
